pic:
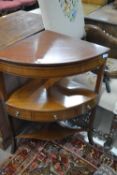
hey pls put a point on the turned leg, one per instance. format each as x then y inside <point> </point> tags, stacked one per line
<point>90,137</point>
<point>14,140</point>
<point>90,126</point>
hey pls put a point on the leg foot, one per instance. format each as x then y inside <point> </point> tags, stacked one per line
<point>14,141</point>
<point>90,137</point>
<point>90,126</point>
<point>14,145</point>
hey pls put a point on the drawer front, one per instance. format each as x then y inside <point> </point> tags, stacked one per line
<point>19,113</point>
<point>50,116</point>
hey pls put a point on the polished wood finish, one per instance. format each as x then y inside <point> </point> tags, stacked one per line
<point>17,26</point>
<point>36,103</point>
<point>97,2</point>
<point>48,57</point>
<point>49,54</point>
<point>49,72</point>
<point>50,49</point>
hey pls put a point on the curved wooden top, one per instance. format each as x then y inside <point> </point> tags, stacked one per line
<point>49,54</point>
<point>49,48</point>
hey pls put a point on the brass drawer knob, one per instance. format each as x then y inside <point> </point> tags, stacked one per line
<point>88,107</point>
<point>55,117</point>
<point>17,114</point>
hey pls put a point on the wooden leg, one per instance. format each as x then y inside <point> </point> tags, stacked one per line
<point>14,145</point>
<point>14,140</point>
<point>90,126</point>
<point>90,137</point>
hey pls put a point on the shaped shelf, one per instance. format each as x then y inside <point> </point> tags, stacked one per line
<point>35,102</point>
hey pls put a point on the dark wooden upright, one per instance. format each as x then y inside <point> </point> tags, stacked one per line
<point>14,27</point>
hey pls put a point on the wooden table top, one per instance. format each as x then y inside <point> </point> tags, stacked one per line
<point>49,49</point>
<point>105,14</point>
<point>17,26</point>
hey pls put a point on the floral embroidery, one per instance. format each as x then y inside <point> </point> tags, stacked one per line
<point>70,8</point>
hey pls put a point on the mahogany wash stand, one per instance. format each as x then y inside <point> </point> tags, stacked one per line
<point>47,59</point>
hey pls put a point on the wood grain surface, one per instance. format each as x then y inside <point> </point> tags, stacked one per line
<point>105,14</point>
<point>50,48</point>
<point>36,103</point>
<point>17,26</point>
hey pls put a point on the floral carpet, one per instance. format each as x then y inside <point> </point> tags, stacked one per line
<point>71,156</point>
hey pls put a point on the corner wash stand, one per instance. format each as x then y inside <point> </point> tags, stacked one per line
<point>47,59</point>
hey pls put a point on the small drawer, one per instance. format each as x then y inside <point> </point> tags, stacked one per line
<point>19,113</point>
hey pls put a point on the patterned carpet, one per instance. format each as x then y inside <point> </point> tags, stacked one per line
<point>71,156</point>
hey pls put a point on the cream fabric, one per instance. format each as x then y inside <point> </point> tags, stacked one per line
<point>63,16</point>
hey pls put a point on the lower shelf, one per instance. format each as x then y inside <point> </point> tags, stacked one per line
<point>49,132</point>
